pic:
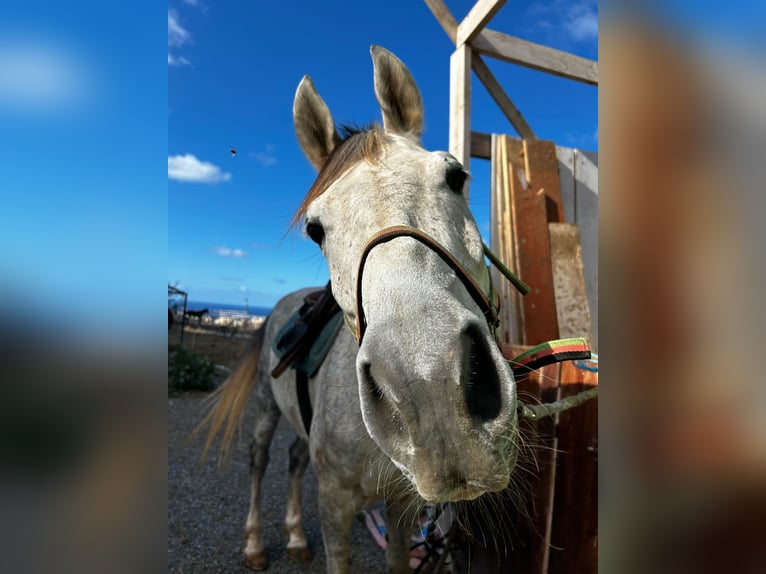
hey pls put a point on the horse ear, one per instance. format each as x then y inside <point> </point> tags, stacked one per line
<point>313,122</point>
<point>397,94</point>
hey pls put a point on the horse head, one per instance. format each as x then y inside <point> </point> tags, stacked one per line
<point>407,268</point>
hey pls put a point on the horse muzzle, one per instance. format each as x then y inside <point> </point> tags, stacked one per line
<point>447,419</point>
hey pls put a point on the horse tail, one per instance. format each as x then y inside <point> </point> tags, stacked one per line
<point>227,402</point>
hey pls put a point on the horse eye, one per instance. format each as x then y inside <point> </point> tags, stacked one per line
<point>456,177</point>
<point>315,231</point>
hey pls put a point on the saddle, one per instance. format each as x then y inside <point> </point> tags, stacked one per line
<point>304,341</point>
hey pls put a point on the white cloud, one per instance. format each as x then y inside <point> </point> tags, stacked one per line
<point>177,34</point>
<point>192,2</point>
<point>180,61</point>
<point>267,157</point>
<point>187,168</point>
<point>579,20</point>
<point>227,252</point>
<point>582,139</point>
<point>582,21</point>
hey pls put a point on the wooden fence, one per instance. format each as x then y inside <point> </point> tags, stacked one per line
<point>544,212</point>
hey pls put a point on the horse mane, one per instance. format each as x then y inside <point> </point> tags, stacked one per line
<point>356,143</point>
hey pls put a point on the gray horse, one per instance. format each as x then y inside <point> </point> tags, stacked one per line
<point>414,402</point>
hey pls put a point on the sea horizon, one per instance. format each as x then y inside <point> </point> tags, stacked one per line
<point>215,308</point>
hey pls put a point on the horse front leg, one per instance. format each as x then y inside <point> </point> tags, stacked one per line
<point>337,509</point>
<point>297,547</point>
<point>399,536</point>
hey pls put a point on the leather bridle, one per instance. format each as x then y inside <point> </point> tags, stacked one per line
<point>533,358</point>
<point>489,304</point>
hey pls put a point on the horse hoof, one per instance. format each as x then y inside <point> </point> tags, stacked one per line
<point>257,561</point>
<point>300,554</point>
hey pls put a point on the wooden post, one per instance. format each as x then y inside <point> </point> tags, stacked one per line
<point>460,105</point>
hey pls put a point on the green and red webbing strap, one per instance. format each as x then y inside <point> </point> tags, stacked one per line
<point>548,353</point>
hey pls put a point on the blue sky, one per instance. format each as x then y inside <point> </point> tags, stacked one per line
<point>232,72</point>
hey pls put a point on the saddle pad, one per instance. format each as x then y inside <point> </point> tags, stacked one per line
<point>310,362</point>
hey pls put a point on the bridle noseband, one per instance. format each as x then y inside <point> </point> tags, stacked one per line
<point>489,305</point>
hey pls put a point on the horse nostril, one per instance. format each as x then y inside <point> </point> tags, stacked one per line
<point>482,381</point>
<point>370,384</point>
<point>381,413</point>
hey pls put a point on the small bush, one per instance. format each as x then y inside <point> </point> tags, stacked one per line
<point>188,371</point>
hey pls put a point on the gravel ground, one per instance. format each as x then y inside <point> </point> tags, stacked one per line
<point>207,506</point>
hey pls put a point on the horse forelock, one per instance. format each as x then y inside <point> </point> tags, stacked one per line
<point>356,144</point>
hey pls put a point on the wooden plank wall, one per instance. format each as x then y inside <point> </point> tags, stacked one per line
<point>535,188</point>
<point>578,176</point>
<point>578,182</point>
<point>501,243</point>
<point>525,198</point>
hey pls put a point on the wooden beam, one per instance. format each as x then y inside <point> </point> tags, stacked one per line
<point>536,56</point>
<point>460,105</point>
<point>503,101</point>
<point>444,17</point>
<point>481,145</point>
<point>474,22</point>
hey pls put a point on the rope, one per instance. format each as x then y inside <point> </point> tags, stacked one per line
<point>537,412</point>
<point>518,283</point>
